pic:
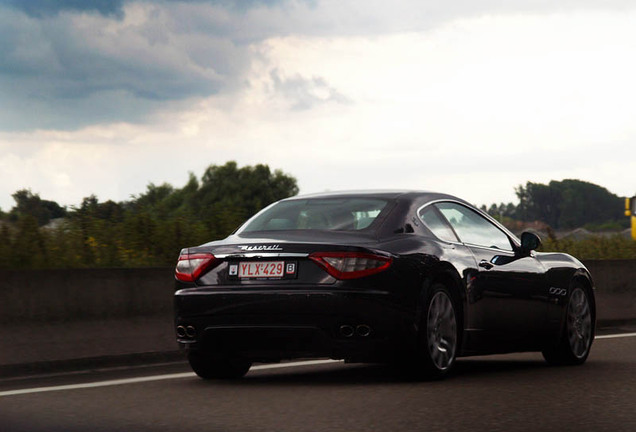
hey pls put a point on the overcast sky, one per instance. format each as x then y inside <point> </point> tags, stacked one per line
<point>461,96</point>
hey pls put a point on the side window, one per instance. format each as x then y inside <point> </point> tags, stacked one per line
<point>473,228</point>
<point>437,224</point>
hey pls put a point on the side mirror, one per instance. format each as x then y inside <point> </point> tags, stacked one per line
<point>529,242</point>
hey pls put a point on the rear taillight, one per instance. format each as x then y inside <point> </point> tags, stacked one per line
<point>190,267</point>
<point>351,265</point>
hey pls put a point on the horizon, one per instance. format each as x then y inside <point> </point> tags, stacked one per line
<point>131,198</point>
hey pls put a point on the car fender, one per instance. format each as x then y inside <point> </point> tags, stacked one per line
<point>446,274</point>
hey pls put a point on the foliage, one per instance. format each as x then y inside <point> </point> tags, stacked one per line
<point>568,204</point>
<point>29,204</point>
<point>594,248</point>
<point>564,204</point>
<point>151,228</point>
<point>148,230</point>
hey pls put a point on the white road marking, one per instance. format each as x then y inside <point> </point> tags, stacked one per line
<point>294,364</point>
<point>191,374</point>
<point>613,336</point>
<point>96,384</point>
<point>152,378</point>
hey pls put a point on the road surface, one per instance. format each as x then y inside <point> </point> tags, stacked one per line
<point>498,393</point>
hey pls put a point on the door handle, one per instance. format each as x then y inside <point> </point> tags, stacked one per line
<point>486,264</point>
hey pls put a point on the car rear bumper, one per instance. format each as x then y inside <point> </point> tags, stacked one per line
<point>269,325</point>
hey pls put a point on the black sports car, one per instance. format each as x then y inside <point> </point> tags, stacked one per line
<point>414,278</point>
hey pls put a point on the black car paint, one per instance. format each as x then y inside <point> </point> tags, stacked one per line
<point>513,301</point>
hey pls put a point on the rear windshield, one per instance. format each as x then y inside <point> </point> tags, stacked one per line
<point>332,214</point>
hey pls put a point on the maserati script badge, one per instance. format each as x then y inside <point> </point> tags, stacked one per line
<point>261,248</point>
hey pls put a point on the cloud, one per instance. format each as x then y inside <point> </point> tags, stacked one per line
<point>472,108</point>
<point>67,64</point>
<point>42,8</point>
<point>112,8</point>
<point>70,71</point>
<point>306,93</point>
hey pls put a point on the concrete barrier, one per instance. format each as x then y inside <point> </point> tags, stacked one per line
<point>53,319</point>
<point>52,296</point>
<point>615,282</point>
<point>56,317</point>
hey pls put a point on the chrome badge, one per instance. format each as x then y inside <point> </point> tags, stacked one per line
<point>260,248</point>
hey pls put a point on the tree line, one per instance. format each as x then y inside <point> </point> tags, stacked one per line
<point>147,230</point>
<point>566,204</point>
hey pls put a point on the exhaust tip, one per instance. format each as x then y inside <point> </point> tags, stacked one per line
<point>363,330</point>
<point>181,331</point>
<point>347,330</point>
<point>190,331</point>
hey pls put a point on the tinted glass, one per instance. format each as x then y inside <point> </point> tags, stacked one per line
<point>334,214</point>
<point>473,228</point>
<point>437,224</point>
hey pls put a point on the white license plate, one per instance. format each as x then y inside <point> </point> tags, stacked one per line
<point>261,269</point>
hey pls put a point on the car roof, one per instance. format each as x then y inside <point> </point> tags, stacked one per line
<point>390,194</point>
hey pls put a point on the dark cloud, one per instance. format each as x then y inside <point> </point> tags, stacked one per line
<point>42,8</point>
<point>71,113</point>
<point>71,63</point>
<point>55,73</point>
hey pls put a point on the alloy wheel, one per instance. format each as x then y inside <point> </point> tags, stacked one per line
<point>441,331</point>
<point>579,324</point>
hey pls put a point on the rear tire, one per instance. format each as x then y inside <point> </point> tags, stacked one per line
<point>438,336</point>
<point>577,333</point>
<point>209,367</point>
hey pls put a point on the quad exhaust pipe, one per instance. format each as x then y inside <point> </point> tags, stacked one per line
<point>190,331</point>
<point>181,332</point>
<point>360,330</point>
<point>363,330</point>
<point>186,331</point>
<point>347,330</point>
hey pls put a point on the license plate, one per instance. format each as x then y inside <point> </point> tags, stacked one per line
<point>261,269</point>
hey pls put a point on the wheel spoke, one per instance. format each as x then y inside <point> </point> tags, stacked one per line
<point>441,331</point>
<point>444,357</point>
<point>581,347</point>
<point>572,337</point>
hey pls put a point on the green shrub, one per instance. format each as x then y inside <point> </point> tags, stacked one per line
<point>594,248</point>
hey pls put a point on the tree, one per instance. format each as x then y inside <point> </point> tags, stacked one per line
<point>539,202</point>
<point>228,194</point>
<point>148,230</point>
<point>29,204</point>
<point>585,203</point>
<point>30,245</point>
<point>568,204</point>
<point>5,245</point>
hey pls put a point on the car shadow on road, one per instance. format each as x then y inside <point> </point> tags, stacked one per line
<point>370,374</point>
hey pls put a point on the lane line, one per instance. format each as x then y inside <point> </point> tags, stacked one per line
<point>152,378</point>
<point>192,374</point>
<point>294,364</point>
<point>613,336</point>
<point>96,384</point>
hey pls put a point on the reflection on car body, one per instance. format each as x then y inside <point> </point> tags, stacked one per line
<point>412,278</point>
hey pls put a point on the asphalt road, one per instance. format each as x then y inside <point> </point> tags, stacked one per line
<point>498,393</point>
